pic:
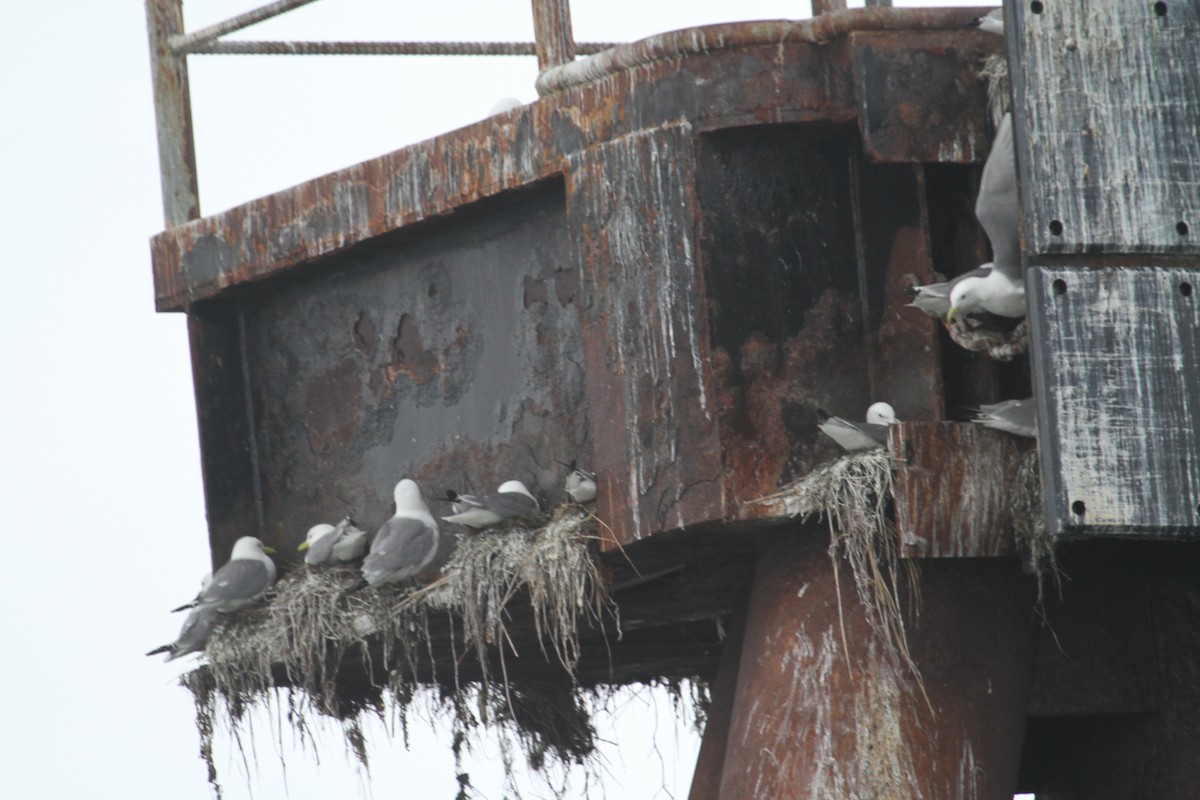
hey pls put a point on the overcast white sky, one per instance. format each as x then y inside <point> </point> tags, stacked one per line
<point>100,470</point>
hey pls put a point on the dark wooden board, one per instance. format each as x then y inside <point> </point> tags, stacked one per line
<point>1116,360</point>
<point>1108,125</point>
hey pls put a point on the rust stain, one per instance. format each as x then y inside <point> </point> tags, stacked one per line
<point>331,407</point>
<point>409,356</point>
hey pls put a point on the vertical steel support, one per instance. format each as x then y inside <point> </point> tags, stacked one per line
<point>825,709</point>
<point>555,43</point>
<point>173,113</point>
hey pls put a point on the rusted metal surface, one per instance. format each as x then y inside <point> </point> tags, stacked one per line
<point>777,245</point>
<point>954,485</point>
<point>710,761</point>
<point>708,39</point>
<point>1108,108</point>
<point>173,114</point>
<point>893,249</point>
<point>1116,357</point>
<point>552,30</point>
<point>308,48</point>
<point>1115,704</point>
<point>944,122</point>
<point>825,6</point>
<point>632,216</point>
<point>815,719</point>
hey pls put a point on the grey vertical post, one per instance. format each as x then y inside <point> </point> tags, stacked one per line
<point>173,114</point>
<point>820,7</point>
<point>552,32</point>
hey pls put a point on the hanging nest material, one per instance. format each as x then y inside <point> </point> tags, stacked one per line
<point>340,654</point>
<point>995,72</point>
<point>852,493</point>
<point>1034,541</point>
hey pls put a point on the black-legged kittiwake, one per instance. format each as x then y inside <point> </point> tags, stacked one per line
<point>405,544</point>
<point>193,636</point>
<point>856,436</point>
<point>330,544</point>
<point>511,501</point>
<point>247,576</point>
<point>1002,290</point>
<point>1018,417</point>
<point>580,484</point>
<point>992,22</point>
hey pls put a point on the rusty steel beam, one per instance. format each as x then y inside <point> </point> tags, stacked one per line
<point>303,48</point>
<point>954,486</point>
<point>709,38</point>
<point>552,30</point>
<point>824,710</point>
<point>173,114</point>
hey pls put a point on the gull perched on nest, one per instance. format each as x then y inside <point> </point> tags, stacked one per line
<point>329,544</point>
<point>997,287</point>
<point>247,576</point>
<point>511,501</point>
<point>1018,417</point>
<point>405,544</point>
<point>855,436</point>
<point>193,636</point>
<point>580,484</point>
<point>1002,290</point>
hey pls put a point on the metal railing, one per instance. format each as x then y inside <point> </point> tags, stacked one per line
<point>170,46</point>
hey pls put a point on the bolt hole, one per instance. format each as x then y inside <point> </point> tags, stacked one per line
<point>1060,286</point>
<point>1036,6</point>
<point>1181,228</point>
<point>1056,227</point>
<point>1185,289</point>
<point>1160,8</point>
<point>1078,508</point>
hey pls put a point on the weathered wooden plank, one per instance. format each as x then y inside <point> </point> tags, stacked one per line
<point>631,213</point>
<point>952,485</point>
<point>952,124</point>
<point>1107,129</point>
<point>1117,364</point>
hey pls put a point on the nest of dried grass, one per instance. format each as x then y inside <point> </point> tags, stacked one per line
<point>852,494</point>
<point>339,654</point>
<point>995,72</point>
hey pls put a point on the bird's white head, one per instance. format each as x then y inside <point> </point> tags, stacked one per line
<point>515,486</point>
<point>249,547</point>
<point>966,297</point>
<point>881,414</point>
<point>408,496</point>
<point>315,533</point>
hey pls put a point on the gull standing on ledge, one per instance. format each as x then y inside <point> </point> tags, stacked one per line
<point>511,501</point>
<point>1018,417</point>
<point>405,544</point>
<point>854,437</point>
<point>247,576</point>
<point>327,544</point>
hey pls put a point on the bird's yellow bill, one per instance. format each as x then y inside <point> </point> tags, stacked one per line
<point>269,550</point>
<point>302,547</point>
<point>951,314</point>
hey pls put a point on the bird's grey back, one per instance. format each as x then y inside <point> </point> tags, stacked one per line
<point>240,579</point>
<point>402,548</point>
